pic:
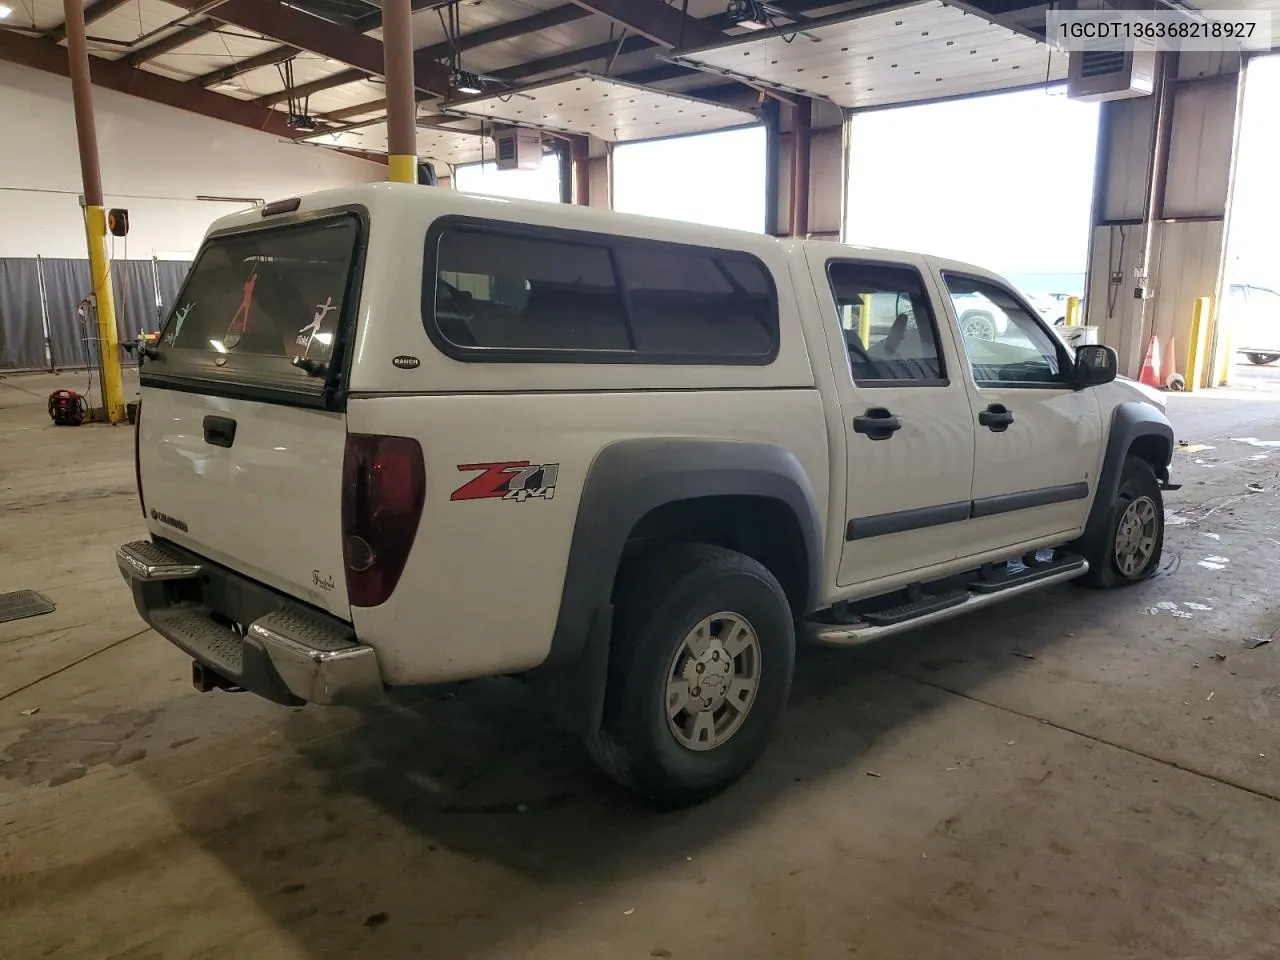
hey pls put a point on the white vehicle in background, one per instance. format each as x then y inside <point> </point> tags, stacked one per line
<point>397,436</point>
<point>1254,316</point>
<point>980,319</point>
<point>1051,306</point>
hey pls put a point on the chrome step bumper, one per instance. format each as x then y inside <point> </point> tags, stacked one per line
<point>860,631</point>
<point>258,640</point>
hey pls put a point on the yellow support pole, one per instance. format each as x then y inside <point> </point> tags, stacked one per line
<point>1073,312</point>
<point>864,321</point>
<point>402,107</point>
<point>402,169</point>
<point>95,220</point>
<point>1226,350</point>
<point>95,226</point>
<point>1199,336</point>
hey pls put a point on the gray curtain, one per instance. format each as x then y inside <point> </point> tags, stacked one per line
<point>67,282</point>
<point>131,280</point>
<point>170,275</point>
<point>21,328</point>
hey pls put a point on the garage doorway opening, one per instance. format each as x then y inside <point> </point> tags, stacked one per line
<point>486,179</point>
<point>1249,311</point>
<point>716,179</point>
<point>1004,181</point>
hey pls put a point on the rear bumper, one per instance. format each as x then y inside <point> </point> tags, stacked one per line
<point>248,634</point>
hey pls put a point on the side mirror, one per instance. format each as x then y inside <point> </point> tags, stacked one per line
<point>1095,365</point>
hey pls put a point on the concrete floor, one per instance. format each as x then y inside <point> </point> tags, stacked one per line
<point>1074,775</point>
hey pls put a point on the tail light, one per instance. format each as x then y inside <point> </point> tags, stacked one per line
<point>137,460</point>
<point>383,487</point>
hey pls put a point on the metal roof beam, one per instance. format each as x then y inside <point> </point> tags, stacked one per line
<point>94,11</point>
<point>546,20</point>
<point>572,58</point>
<point>267,58</point>
<point>174,40</point>
<point>655,21</point>
<point>286,24</point>
<point>46,55</point>
<point>304,90</point>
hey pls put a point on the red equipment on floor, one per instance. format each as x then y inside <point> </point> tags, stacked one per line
<point>67,408</point>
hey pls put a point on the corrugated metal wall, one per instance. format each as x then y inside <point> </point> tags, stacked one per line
<point>1188,237</point>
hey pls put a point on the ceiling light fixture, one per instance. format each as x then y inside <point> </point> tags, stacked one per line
<point>749,14</point>
<point>467,84</point>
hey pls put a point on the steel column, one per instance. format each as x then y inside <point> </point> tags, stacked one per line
<point>770,114</point>
<point>402,105</point>
<point>564,153</point>
<point>582,171</point>
<point>801,142</point>
<point>95,218</point>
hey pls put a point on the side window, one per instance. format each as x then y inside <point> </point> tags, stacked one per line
<point>1005,344</point>
<point>512,293</point>
<point>688,303</point>
<point>502,290</point>
<point>889,327</point>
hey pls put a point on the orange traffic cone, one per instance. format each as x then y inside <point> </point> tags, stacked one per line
<point>1169,368</point>
<point>1151,365</point>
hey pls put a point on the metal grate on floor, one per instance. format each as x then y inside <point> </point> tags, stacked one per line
<point>21,604</point>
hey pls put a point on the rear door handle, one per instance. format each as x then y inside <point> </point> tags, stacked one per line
<point>219,431</point>
<point>997,418</point>
<point>877,423</point>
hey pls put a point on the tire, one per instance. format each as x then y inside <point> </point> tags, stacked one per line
<point>1262,359</point>
<point>1111,561</point>
<point>663,596</point>
<point>978,325</point>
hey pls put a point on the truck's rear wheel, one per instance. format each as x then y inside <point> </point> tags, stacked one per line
<point>1130,550</point>
<point>700,667</point>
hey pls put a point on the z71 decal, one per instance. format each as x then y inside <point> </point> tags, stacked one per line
<point>517,480</point>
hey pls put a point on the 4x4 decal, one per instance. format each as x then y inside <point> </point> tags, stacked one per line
<point>517,480</point>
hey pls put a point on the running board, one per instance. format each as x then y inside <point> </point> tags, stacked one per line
<point>1009,577</point>
<point>851,634</point>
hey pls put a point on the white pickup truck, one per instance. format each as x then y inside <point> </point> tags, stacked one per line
<point>395,435</point>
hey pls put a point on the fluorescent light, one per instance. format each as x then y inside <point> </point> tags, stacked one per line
<point>6,11</point>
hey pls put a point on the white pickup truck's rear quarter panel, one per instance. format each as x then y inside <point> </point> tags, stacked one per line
<point>481,591</point>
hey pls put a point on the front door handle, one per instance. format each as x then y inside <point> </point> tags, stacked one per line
<point>877,423</point>
<point>997,418</point>
<point>219,431</point>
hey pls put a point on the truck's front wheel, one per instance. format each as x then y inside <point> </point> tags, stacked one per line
<point>700,667</point>
<point>1131,548</point>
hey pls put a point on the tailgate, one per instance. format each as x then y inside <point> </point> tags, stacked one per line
<point>267,505</point>
<point>242,431</point>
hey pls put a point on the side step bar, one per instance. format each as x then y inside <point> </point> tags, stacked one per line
<point>864,631</point>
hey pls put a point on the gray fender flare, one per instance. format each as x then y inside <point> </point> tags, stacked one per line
<point>629,478</point>
<point>1129,422</point>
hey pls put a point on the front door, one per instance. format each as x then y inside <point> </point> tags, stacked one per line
<point>909,427</point>
<point>1038,440</point>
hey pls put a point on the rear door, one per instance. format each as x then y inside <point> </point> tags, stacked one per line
<point>242,439</point>
<point>908,425</point>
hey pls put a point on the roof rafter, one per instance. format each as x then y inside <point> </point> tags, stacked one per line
<point>45,54</point>
<point>290,26</point>
<point>267,58</point>
<point>94,11</point>
<point>174,40</point>
<point>656,22</point>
